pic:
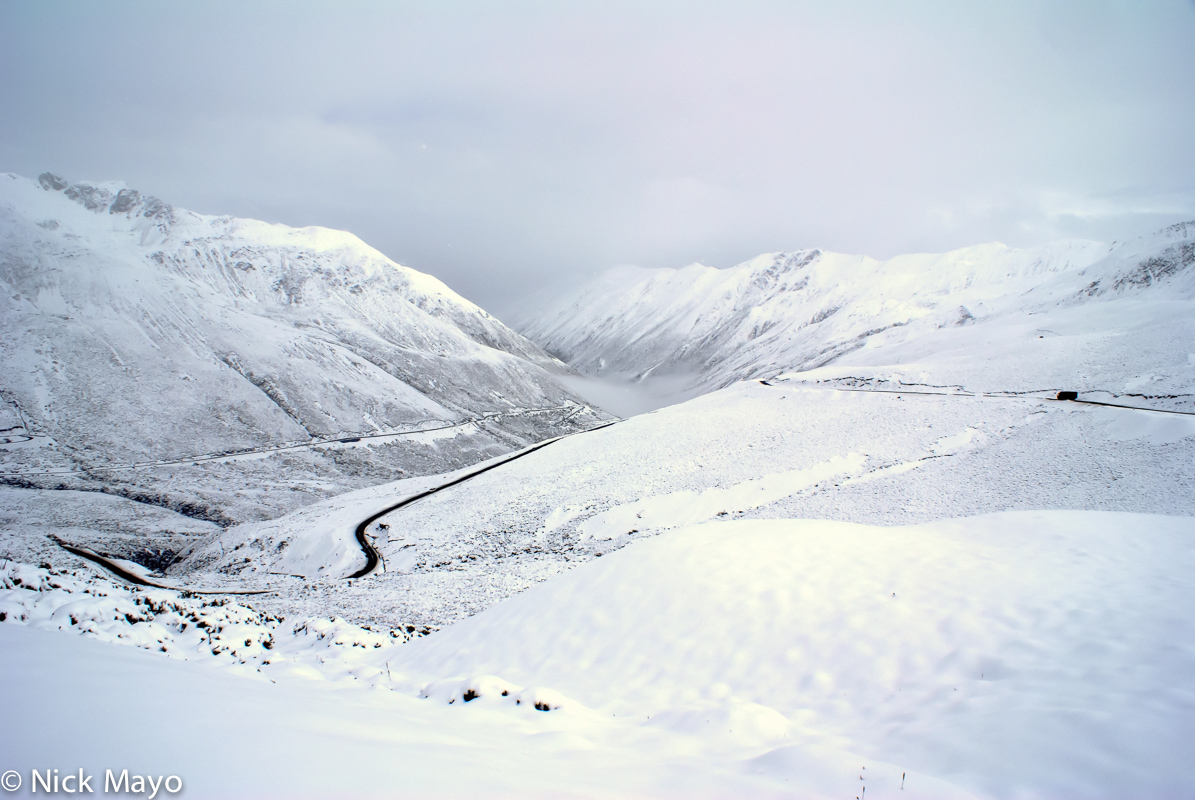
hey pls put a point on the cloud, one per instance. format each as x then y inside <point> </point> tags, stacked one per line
<point>1057,204</point>
<point>509,147</point>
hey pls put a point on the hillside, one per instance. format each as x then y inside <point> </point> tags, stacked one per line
<point>133,332</point>
<point>796,311</point>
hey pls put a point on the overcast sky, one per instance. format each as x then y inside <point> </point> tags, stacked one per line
<point>504,147</point>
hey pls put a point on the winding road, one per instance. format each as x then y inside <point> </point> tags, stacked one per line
<point>131,577</point>
<point>372,556</point>
<point>265,451</point>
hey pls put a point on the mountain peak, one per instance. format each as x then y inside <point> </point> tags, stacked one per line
<point>114,197</point>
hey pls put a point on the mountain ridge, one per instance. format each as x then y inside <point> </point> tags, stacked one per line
<point>135,331</point>
<point>799,310</point>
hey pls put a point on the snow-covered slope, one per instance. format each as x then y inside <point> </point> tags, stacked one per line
<point>1010,655</point>
<point>242,736</point>
<point>749,451</point>
<point>805,587</point>
<point>131,330</point>
<point>1013,655</point>
<point>801,310</point>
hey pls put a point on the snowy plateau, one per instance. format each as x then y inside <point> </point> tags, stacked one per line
<point>283,518</point>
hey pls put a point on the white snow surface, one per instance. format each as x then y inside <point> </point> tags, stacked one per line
<point>1029,654</point>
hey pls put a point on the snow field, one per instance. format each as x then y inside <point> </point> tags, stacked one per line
<point>1020,654</point>
<point>229,737</point>
<point>1027,654</point>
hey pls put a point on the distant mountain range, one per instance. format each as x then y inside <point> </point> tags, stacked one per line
<point>800,310</point>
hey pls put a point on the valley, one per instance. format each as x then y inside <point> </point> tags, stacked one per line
<point>844,530</point>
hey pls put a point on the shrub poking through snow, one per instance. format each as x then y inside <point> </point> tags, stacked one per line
<point>186,626</point>
<point>541,699</point>
<point>492,689</point>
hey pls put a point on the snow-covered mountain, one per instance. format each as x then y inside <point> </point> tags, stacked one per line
<point>800,310</point>
<point>132,330</point>
<point>806,586</point>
